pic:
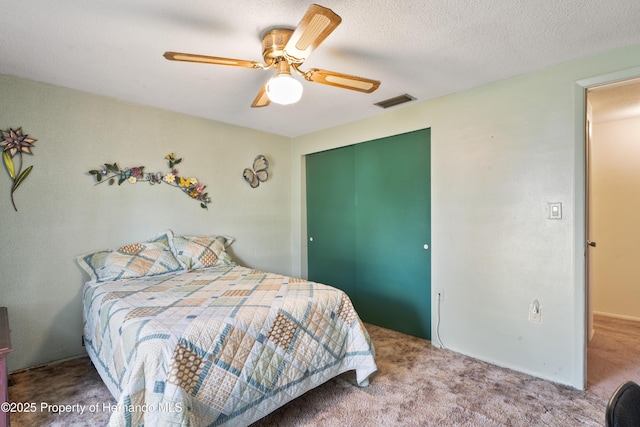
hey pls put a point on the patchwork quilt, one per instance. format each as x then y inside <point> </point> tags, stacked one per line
<point>218,346</point>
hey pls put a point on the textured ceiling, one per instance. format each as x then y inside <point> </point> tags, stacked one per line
<point>425,49</point>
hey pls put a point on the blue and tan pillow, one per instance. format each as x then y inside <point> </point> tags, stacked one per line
<point>202,251</point>
<point>135,260</point>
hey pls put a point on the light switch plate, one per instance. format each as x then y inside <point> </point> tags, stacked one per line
<point>555,210</point>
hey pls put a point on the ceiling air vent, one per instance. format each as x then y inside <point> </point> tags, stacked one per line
<point>395,101</point>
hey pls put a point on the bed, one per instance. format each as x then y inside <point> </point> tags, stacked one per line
<point>181,335</point>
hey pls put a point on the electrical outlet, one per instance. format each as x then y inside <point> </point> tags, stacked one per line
<point>535,312</point>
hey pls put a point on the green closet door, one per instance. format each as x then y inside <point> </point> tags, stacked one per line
<point>393,225</point>
<point>331,218</point>
<point>368,221</point>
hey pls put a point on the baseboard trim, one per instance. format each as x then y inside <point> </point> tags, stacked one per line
<point>616,316</point>
<point>52,363</point>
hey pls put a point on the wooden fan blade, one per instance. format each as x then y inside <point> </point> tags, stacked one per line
<point>344,81</point>
<point>262,100</point>
<point>190,57</point>
<point>314,27</point>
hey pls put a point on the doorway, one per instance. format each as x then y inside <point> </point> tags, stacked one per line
<point>612,208</point>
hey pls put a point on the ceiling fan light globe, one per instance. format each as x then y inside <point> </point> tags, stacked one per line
<point>284,89</point>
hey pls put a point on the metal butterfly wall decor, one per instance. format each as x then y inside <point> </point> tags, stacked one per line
<point>259,172</point>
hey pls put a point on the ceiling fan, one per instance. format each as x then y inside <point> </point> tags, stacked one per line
<point>286,50</point>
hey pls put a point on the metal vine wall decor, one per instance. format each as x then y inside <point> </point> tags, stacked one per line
<point>111,172</point>
<point>15,142</point>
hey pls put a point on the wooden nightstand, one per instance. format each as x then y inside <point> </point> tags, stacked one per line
<point>5,348</point>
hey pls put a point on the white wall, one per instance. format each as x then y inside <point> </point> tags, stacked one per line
<point>615,211</point>
<point>500,153</point>
<point>63,215</point>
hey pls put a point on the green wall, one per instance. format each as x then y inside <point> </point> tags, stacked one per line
<point>62,214</point>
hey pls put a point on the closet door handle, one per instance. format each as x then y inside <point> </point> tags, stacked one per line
<point>590,243</point>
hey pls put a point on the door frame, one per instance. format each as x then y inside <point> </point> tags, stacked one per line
<point>581,201</point>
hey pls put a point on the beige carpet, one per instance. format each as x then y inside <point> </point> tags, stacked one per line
<point>417,385</point>
<point>613,355</point>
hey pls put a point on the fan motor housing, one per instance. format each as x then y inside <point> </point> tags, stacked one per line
<point>273,44</point>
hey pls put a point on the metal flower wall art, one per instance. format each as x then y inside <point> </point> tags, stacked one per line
<point>112,173</point>
<point>15,142</point>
